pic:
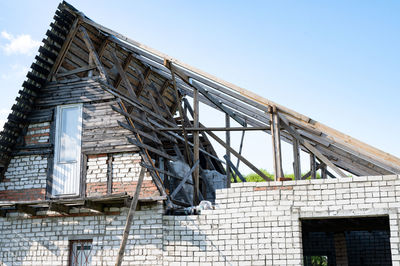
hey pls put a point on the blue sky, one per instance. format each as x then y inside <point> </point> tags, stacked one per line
<point>335,61</point>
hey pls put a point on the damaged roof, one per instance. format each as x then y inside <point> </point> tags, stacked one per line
<point>152,75</point>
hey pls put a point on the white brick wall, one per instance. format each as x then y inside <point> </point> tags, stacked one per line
<point>96,169</point>
<point>259,223</point>
<point>253,224</point>
<point>25,172</point>
<point>125,168</point>
<point>46,241</point>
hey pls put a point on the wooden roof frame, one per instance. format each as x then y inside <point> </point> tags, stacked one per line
<point>224,90</point>
<point>330,147</point>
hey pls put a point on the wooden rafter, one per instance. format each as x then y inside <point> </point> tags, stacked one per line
<point>244,160</point>
<point>64,48</point>
<point>308,146</point>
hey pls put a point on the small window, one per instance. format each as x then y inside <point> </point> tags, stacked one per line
<point>80,252</point>
<point>69,134</point>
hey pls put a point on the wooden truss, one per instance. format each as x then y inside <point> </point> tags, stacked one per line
<point>150,89</point>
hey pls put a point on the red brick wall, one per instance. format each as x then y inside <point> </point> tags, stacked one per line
<point>100,188</point>
<point>23,194</point>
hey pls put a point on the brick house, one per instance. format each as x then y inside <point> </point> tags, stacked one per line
<point>98,107</point>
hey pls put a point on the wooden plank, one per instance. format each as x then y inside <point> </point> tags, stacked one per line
<point>151,149</point>
<point>217,103</point>
<point>143,80</point>
<point>244,160</point>
<point>143,123</point>
<point>75,71</point>
<point>107,87</point>
<point>129,218</point>
<point>308,146</point>
<point>185,178</point>
<point>124,68</point>
<point>134,118</point>
<point>122,74</point>
<point>143,134</point>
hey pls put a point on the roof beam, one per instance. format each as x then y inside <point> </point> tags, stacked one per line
<point>308,146</point>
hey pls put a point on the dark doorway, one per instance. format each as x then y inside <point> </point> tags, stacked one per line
<point>346,241</point>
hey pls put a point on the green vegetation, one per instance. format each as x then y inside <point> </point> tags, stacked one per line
<point>253,177</point>
<point>319,260</point>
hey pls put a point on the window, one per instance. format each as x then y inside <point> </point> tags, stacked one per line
<point>80,252</point>
<point>67,151</point>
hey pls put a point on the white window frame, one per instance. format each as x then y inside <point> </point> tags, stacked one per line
<point>57,146</point>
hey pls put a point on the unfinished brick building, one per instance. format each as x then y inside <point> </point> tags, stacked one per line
<point>103,149</point>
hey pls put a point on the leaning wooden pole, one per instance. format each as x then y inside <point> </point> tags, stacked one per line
<point>129,218</point>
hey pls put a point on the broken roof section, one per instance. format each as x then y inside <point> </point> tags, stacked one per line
<point>143,78</point>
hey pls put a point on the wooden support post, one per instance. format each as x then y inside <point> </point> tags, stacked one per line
<point>129,218</point>
<point>276,142</point>
<point>196,142</point>
<point>227,152</point>
<point>109,173</point>
<point>323,171</point>
<point>296,159</point>
<point>313,166</point>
